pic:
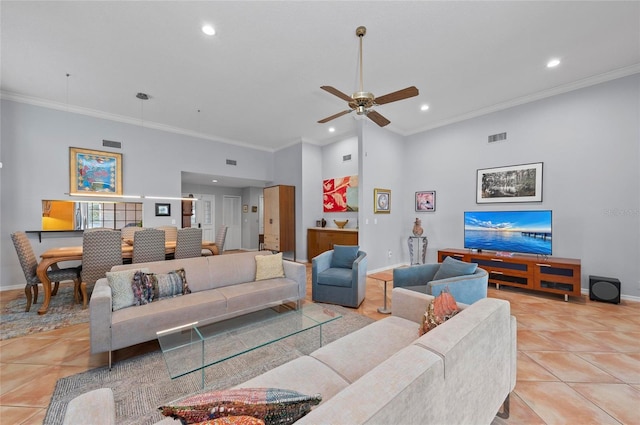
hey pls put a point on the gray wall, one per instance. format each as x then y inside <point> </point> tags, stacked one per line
<point>588,140</point>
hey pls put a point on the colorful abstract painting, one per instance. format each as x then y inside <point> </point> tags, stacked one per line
<point>95,171</point>
<point>340,194</point>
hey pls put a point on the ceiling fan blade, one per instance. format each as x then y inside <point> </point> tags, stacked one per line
<point>377,118</point>
<point>397,95</point>
<point>332,117</point>
<point>337,92</point>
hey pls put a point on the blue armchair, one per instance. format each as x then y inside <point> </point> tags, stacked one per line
<point>339,276</point>
<point>466,282</point>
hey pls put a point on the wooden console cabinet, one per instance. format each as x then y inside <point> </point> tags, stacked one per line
<point>321,239</point>
<point>550,274</point>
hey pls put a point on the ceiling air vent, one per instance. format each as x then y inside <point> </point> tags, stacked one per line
<point>232,162</point>
<point>111,144</point>
<point>346,158</point>
<point>497,137</point>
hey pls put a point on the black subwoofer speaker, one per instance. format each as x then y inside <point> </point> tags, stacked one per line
<point>605,289</point>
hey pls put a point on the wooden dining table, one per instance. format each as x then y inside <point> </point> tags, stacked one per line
<point>53,256</point>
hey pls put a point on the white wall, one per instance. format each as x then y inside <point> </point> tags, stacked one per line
<point>589,143</point>
<point>334,167</point>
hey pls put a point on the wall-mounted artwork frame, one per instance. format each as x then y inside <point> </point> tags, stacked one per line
<point>426,201</point>
<point>163,210</point>
<point>94,171</point>
<point>515,183</point>
<point>340,194</point>
<point>381,201</point>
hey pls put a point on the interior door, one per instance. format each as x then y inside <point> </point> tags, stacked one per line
<point>205,217</point>
<point>232,218</point>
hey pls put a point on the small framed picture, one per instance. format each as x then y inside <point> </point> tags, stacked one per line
<point>245,208</point>
<point>163,210</point>
<point>426,201</point>
<point>381,201</point>
<point>254,208</point>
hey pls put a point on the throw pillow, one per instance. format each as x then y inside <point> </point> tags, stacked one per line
<point>269,266</point>
<point>272,405</point>
<point>344,256</point>
<point>121,291</point>
<point>440,309</point>
<point>149,287</point>
<point>451,267</point>
<point>234,420</point>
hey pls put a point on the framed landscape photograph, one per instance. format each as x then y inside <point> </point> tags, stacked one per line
<point>163,210</point>
<point>95,171</point>
<point>516,183</point>
<point>426,201</point>
<point>381,201</point>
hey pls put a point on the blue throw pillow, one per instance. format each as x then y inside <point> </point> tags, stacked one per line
<point>451,267</point>
<point>344,256</point>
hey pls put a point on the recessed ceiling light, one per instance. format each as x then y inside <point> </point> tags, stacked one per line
<point>553,63</point>
<point>331,129</point>
<point>214,181</point>
<point>424,107</point>
<point>208,29</point>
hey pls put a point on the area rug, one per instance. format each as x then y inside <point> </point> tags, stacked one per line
<point>62,312</point>
<point>142,383</point>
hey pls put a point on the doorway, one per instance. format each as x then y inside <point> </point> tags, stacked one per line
<point>232,218</point>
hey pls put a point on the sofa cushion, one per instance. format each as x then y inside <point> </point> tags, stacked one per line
<point>121,291</point>
<point>344,256</point>
<point>336,277</point>
<point>355,354</point>
<point>451,267</point>
<point>273,405</point>
<point>269,266</point>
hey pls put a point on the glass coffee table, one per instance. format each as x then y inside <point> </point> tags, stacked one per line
<point>198,345</point>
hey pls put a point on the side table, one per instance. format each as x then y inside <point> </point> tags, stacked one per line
<point>384,276</point>
<point>422,249</point>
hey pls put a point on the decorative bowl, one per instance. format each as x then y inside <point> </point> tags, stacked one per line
<point>341,223</point>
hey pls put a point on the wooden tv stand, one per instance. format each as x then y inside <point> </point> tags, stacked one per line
<point>546,274</point>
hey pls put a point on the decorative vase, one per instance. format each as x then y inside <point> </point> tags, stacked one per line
<point>323,222</point>
<point>417,228</point>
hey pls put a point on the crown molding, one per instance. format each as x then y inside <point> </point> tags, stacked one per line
<point>44,103</point>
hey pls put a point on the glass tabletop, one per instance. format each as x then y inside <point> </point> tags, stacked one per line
<point>195,346</point>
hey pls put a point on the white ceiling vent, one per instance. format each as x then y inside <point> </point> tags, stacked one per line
<point>497,137</point>
<point>232,162</point>
<point>346,158</point>
<point>111,144</point>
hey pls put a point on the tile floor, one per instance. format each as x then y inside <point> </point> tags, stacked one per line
<point>578,361</point>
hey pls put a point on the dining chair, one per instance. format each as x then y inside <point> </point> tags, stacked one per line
<point>101,250</point>
<point>221,235</point>
<point>29,264</point>
<point>148,245</point>
<point>170,233</point>
<point>127,232</point>
<point>189,243</point>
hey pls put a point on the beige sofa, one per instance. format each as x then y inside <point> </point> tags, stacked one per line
<point>222,287</point>
<point>461,372</point>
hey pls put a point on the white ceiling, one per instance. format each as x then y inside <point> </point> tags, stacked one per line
<point>257,82</point>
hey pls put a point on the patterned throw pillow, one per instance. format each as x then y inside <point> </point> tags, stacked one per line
<point>121,290</point>
<point>149,287</point>
<point>233,420</point>
<point>272,405</point>
<point>269,266</point>
<point>440,309</point>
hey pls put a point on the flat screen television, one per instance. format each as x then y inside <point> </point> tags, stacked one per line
<point>527,232</point>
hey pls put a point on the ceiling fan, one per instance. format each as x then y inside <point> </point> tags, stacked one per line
<point>362,101</point>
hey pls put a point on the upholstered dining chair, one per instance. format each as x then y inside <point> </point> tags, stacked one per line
<point>221,235</point>
<point>170,233</point>
<point>101,250</point>
<point>128,232</point>
<point>148,245</point>
<point>189,243</point>
<point>29,264</point>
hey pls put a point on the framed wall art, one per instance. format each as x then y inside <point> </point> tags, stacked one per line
<point>340,194</point>
<point>515,183</point>
<point>95,171</point>
<point>163,210</point>
<point>381,201</point>
<point>426,201</point>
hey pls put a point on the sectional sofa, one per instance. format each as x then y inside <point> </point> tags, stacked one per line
<point>461,372</point>
<point>222,286</point>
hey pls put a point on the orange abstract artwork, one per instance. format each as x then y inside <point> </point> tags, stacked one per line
<point>340,195</point>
